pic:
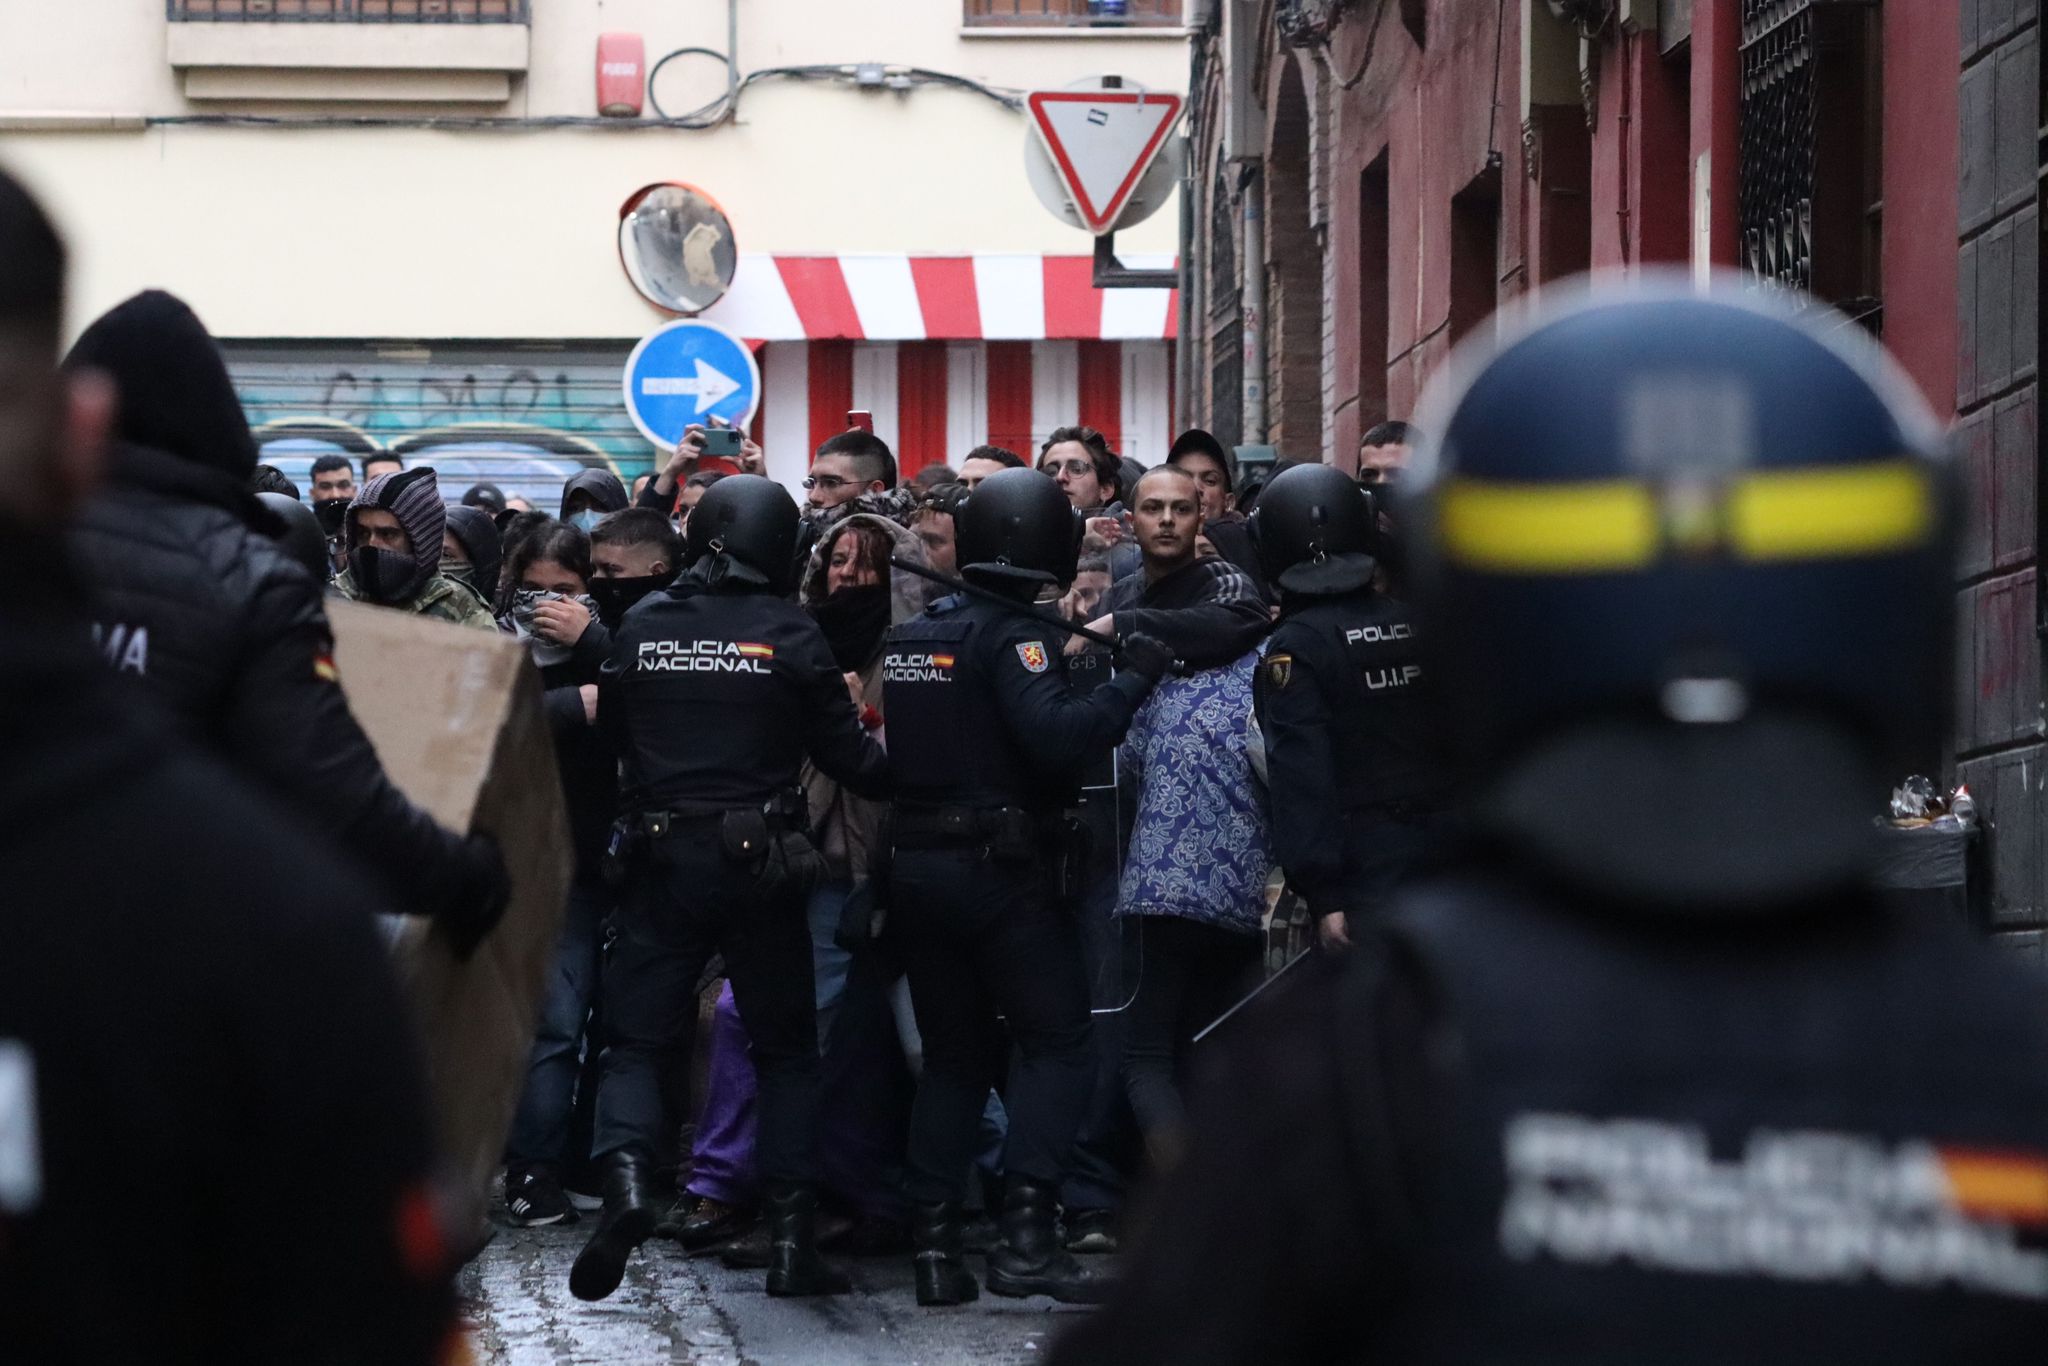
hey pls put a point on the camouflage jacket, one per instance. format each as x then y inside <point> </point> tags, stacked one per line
<point>441,598</point>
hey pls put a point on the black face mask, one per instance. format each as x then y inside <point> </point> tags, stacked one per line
<point>615,596</point>
<point>383,575</point>
<point>854,620</point>
<point>331,514</point>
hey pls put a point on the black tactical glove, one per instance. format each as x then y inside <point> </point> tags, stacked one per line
<point>482,891</point>
<point>1147,656</point>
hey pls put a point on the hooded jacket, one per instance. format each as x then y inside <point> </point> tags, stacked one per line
<point>480,540</point>
<point>602,486</point>
<point>414,498</point>
<point>192,979</point>
<point>847,828</point>
<point>195,606</point>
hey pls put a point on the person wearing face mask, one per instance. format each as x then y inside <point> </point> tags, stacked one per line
<point>632,554</point>
<point>550,569</point>
<point>591,496</point>
<point>471,551</point>
<point>197,605</point>
<point>394,533</point>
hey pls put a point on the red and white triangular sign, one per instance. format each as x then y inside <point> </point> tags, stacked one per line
<point>1101,142</point>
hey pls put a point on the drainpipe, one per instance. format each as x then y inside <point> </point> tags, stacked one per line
<point>1184,351</point>
<point>1254,309</point>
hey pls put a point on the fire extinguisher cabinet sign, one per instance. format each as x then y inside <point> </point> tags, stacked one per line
<point>621,75</point>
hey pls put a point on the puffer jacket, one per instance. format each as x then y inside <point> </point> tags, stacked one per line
<point>201,610</point>
<point>846,828</point>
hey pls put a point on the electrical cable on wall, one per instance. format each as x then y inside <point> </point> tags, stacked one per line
<point>861,76</point>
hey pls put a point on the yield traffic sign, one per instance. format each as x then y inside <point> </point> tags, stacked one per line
<point>687,371</point>
<point>1101,142</point>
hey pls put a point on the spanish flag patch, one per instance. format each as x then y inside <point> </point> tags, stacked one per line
<point>755,651</point>
<point>323,668</point>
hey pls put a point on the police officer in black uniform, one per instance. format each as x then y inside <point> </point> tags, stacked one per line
<point>1656,1076</point>
<point>716,691</point>
<point>987,744</point>
<point>1357,784</point>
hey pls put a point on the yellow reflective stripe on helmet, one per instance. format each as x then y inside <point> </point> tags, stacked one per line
<point>1586,528</point>
<point>1614,525</point>
<point>1822,513</point>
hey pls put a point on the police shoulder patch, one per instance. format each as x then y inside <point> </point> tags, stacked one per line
<point>1032,652</point>
<point>1280,669</point>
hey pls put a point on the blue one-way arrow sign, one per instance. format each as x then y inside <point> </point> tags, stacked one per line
<point>687,371</point>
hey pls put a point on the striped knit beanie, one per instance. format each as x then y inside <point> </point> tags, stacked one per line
<point>414,498</point>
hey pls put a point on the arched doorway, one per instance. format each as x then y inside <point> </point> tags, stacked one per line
<point>1294,280</point>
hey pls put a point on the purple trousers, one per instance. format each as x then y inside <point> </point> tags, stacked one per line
<point>865,1108</point>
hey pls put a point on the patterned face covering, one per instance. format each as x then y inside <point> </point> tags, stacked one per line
<point>545,652</point>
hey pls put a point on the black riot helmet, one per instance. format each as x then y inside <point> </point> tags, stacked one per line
<point>1017,528</point>
<point>752,522</point>
<point>298,532</point>
<point>1315,530</point>
<point>1684,566</point>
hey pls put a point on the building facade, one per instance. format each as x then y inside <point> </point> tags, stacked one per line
<point>401,215</point>
<point>1378,178</point>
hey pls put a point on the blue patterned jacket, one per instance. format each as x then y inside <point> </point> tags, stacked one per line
<point>1200,846</point>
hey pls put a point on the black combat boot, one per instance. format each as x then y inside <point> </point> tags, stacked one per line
<point>632,1206</point>
<point>1030,1260</point>
<point>942,1275</point>
<point>794,1266</point>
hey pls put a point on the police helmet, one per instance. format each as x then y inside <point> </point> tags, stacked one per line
<point>752,521</point>
<point>1683,566</point>
<point>1018,527</point>
<point>1314,527</point>
<point>298,533</point>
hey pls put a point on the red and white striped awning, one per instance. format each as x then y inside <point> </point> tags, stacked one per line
<point>898,297</point>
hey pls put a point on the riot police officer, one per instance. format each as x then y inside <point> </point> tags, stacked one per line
<point>987,744</point>
<point>716,691</point>
<point>1342,699</point>
<point>1656,1076</point>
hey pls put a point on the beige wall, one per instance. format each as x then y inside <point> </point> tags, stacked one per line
<point>330,232</point>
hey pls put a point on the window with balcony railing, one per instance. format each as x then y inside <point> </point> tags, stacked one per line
<point>351,11</point>
<point>1072,13</point>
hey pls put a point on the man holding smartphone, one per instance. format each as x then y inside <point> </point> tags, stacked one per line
<point>702,447</point>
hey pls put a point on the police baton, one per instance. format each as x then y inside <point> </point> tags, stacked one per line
<point>1257,992</point>
<point>1011,605</point>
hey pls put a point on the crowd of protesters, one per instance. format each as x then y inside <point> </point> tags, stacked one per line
<point>1026,739</point>
<point>206,574</point>
<point>1182,872</point>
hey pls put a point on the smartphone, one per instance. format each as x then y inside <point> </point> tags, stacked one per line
<point>722,441</point>
<point>861,418</point>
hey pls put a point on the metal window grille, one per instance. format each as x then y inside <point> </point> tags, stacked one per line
<point>1777,141</point>
<point>1071,13</point>
<point>350,11</point>
<point>1226,325</point>
<point>1812,151</point>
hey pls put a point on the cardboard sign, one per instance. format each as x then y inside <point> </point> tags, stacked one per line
<point>455,714</point>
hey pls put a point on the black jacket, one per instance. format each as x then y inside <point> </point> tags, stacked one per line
<point>714,696</point>
<point>1209,612</point>
<point>1521,1127</point>
<point>1349,727</point>
<point>982,712</point>
<point>589,769</point>
<point>204,613</point>
<point>209,1018</point>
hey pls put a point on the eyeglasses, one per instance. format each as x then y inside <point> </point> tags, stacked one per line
<point>1074,466</point>
<point>827,482</point>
